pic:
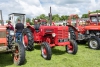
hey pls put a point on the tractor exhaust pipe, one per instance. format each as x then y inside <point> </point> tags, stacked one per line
<point>50,17</point>
<point>1,18</point>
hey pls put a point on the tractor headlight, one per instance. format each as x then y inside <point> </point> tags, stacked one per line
<point>53,34</point>
<point>11,32</point>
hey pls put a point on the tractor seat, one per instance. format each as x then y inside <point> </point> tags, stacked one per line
<point>36,27</point>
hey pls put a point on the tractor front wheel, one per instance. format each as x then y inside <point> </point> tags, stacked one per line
<point>72,48</point>
<point>19,54</point>
<point>46,51</point>
<point>94,43</point>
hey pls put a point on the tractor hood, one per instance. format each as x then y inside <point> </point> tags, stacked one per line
<point>48,28</point>
<point>92,27</point>
<point>52,29</point>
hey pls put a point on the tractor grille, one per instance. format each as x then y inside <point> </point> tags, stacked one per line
<point>62,35</point>
<point>2,34</point>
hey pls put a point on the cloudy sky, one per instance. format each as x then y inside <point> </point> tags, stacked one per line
<point>33,8</point>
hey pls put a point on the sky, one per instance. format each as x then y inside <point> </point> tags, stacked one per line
<point>33,8</point>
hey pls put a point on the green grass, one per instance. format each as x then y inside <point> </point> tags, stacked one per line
<point>85,57</point>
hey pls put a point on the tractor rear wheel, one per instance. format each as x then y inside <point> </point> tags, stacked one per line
<point>94,43</point>
<point>46,51</point>
<point>72,48</point>
<point>19,54</point>
<point>28,40</point>
<point>72,33</point>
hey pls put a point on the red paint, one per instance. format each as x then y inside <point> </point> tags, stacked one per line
<point>25,40</point>
<point>44,51</point>
<point>3,40</point>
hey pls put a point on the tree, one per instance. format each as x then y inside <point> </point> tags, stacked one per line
<point>38,17</point>
<point>29,21</point>
<point>42,16</point>
<point>7,21</point>
<point>0,21</point>
<point>97,11</point>
<point>33,21</point>
<point>84,16</point>
<point>64,17</point>
<point>56,18</point>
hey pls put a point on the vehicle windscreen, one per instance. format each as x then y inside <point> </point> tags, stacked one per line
<point>95,19</point>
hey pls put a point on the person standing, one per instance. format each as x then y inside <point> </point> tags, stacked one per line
<point>18,30</point>
<point>10,37</point>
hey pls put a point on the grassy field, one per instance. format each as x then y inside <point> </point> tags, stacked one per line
<point>84,58</point>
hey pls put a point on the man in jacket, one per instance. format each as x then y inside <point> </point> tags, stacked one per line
<point>10,26</point>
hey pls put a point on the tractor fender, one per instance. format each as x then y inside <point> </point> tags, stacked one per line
<point>73,32</point>
<point>31,28</point>
<point>47,38</point>
<point>73,28</point>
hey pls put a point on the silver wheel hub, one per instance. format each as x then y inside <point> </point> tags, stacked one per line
<point>93,44</point>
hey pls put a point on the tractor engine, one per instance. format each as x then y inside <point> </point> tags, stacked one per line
<point>62,33</point>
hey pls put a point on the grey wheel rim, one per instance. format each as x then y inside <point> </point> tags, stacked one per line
<point>93,44</point>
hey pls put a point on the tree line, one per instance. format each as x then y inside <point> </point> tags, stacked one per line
<point>86,15</point>
<point>56,17</point>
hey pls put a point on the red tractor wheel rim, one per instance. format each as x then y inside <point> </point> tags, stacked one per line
<point>16,55</point>
<point>48,40</point>
<point>70,47</point>
<point>44,51</point>
<point>25,40</point>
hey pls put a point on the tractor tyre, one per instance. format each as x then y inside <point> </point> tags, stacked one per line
<point>94,43</point>
<point>28,40</point>
<point>19,54</point>
<point>46,51</point>
<point>72,33</point>
<point>72,48</point>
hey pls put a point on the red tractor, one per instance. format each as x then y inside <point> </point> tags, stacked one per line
<point>48,36</point>
<point>86,31</point>
<point>8,44</point>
